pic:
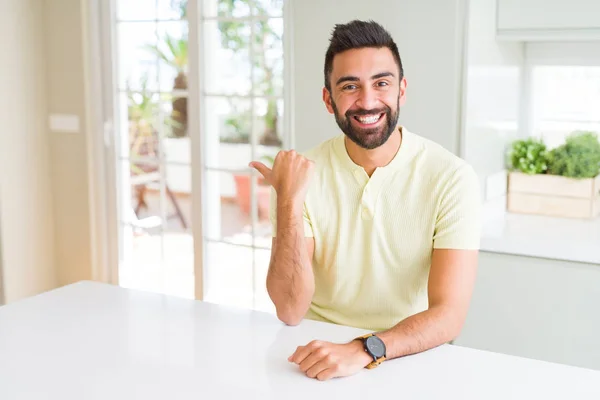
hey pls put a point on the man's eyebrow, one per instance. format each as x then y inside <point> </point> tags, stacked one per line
<point>382,75</point>
<point>347,79</point>
<point>350,78</point>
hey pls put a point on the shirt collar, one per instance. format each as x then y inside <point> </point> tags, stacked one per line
<point>401,158</point>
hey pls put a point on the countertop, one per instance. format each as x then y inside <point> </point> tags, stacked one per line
<point>97,341</point>
<point>567,239</point>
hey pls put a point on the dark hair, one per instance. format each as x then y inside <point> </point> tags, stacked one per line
<point>357,35</point>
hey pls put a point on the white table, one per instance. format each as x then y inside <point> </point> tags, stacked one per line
<point>95,341</point>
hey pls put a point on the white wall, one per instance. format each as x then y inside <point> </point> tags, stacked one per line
<point>429,34</point>
<point>2,300</point>
<point>492,92</point>
<point>563,53</point>
<point>25,187</point>
<point>536,308</point>
<point>63,45</point>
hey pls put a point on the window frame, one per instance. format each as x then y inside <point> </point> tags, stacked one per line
<point>550,54</point>
<point>99,22</point>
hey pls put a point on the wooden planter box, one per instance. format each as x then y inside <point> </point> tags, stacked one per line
<point>552,195</point>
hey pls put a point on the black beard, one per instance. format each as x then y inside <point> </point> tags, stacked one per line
<point>368,138</point>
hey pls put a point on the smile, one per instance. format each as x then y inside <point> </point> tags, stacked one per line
<point>369,119</point>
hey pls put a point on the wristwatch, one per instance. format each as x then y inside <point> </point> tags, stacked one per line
<point>375,347</point>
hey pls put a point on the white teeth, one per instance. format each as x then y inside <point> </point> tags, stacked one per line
<point>369,119</point>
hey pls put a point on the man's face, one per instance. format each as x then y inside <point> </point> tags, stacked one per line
<point>366,95</point>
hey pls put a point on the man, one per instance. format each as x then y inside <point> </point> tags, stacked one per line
<point>377,228</point>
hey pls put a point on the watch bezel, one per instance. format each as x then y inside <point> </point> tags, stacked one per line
<point>374,339</point>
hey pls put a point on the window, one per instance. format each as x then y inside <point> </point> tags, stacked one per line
<point>564,89</point>
<point>564,99</point>
<point>152,146</point>
<point>243,108</point>
<point>241,119</point>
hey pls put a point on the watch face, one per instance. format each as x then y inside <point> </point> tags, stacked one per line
<point>375,346</point>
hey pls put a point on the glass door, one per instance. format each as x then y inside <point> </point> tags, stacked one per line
<point>244,121</point>
<point>153,146</point>
<point>240,117</point>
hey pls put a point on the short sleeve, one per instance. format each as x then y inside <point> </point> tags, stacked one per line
<point>458,222</point>
<point>308,230</point>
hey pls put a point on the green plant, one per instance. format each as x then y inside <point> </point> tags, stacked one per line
<point>238,124</point>
<point>143,111</point>
<point>528,156</point>
<point>578,157</point>
<point>174,52</point>
<point>235,37</point>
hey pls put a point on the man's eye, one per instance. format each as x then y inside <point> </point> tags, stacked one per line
<point>350,87</point>
<point>382,84</point>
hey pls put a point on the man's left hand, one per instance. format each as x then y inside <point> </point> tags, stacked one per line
<point>325,360</point>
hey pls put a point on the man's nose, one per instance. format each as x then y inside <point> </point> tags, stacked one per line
<point>368,98</point>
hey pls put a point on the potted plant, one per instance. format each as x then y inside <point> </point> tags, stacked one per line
<point>173,51</point>
<point>235,38</point>
<point>563,182</point>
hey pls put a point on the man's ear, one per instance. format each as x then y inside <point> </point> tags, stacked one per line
<point>327,100</point>
<point>403,91</point>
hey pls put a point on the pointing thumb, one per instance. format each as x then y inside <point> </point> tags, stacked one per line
<point>262,168</point>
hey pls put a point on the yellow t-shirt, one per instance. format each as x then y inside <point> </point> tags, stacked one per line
<point>374,236</point>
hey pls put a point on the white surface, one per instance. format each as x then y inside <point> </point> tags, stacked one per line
<point>429,35</point>
<point>566,19</point>
<point>495,185</point>
<point>539,236</point>
<point>95,341</point>
<point>64,123</point>
<point>536,308</point>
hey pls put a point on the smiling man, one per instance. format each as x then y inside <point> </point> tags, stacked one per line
<point>377,228</point>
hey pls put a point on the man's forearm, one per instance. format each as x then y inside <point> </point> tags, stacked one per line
<point>290,280</point>
<point>420,332</point>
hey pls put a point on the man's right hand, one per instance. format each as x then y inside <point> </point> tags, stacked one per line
<point>290,176</point>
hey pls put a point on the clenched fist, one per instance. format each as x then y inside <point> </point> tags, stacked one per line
<point>325,360</point>
<point>290,176</point>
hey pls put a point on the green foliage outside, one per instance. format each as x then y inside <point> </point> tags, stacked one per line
<point>234,36</point>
